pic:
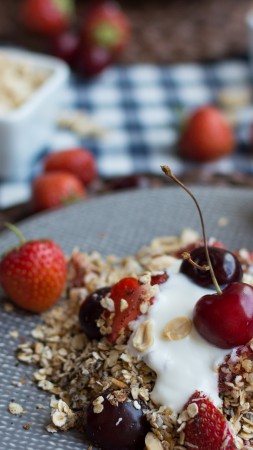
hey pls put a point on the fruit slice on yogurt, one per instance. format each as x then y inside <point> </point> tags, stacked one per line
<point>183,361</point>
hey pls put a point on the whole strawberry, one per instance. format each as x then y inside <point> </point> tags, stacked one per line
<point>207,136</point>
<point>47,17</point>
<point>55,189</point>
<point>78,161</point>
<point>106,26</point>
<point>207,428</point>
<point>33,274</point>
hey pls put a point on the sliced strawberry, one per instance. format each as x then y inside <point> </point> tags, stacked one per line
<point>208,429</point>
<point>134,294</point>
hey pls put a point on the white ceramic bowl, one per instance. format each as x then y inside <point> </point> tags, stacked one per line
<point>24,131</point>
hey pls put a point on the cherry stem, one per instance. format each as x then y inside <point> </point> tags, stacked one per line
<point>187,256</point>
<point>169,174</point>
<point>16,231</point>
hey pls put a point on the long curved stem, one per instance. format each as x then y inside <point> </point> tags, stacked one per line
<point>16,231</point>
<point>169,174</point>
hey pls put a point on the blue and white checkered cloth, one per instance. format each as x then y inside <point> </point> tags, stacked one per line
<point>140,106</point>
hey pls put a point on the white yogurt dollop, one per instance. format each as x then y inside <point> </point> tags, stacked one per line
<point>185,365</point>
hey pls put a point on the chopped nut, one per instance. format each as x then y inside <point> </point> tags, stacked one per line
<point>59,419</point>
<point>143,338</point>
<point>177,328</point>
<point>152,442</point>
<point>192,409</point>
<point>123,305</point>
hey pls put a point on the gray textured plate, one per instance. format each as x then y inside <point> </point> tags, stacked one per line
<point>119,224</point>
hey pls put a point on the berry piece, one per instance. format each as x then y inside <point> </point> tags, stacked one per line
<point>54,189</point>
<point>208,428</point>
<point>207,136</point>
<point>90,311</point>
<point>106,26</point>
<point>47,17</point>
<point>226,319</point>
<point>78,161</point>
<point>33,275</point>
<point>159,279</point>
<point>129,290</point>
<point>225,265</point>
<point>121,427</point>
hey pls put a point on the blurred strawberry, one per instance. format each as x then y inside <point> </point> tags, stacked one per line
<point>47,17</point>
<point>106,26</point>
<point>54,189</point>
<point>78,161</point>
<point>207,136</point>
<point>65,46</point>
<point>33,274</point>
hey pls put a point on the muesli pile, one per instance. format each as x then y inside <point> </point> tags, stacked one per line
<point>89,377</point>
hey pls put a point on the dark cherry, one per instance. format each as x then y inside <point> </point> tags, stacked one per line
<point>89,312</point>
<point>226,267</point>
<point>121,427</point>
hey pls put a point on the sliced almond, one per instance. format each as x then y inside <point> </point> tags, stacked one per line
<point>152,442</point>
<point>177,329</point>
<point>143,338</point>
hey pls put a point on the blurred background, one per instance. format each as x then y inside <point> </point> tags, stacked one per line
<point>145,83</point>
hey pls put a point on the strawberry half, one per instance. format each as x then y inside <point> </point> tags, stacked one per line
<point>208,429</point>
<point>33,274</point>
<point>134,294</point>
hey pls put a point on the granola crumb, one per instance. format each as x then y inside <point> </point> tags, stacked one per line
<point>27,426</point>
<point>16,409</point>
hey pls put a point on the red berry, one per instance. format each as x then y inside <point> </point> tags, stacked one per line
<point>106,26</point>
<point>33,275</point>
<point>78,161</point>
<point>207,136</point>
<point>208,429</point>
<point>129,290</point>
<point>159,279</point>
<point>47,17</point>
<point>54,189</point>
<point>226,319</point>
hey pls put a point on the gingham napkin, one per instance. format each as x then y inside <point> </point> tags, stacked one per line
<point>140,106</point>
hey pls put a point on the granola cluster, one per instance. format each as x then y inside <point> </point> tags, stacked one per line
<point>18,81</point>
<point>78,371</point>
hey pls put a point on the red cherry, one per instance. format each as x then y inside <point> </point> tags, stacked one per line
<point>226,319</point>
